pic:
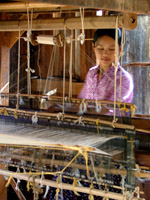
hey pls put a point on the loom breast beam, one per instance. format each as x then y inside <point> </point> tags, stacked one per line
<point>128,21</point>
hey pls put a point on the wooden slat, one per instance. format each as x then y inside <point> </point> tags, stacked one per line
<point>39,86</point>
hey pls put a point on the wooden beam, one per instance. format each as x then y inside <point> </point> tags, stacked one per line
<point>70,23</point>
<point>132,6</point>
<point>39,85</point>
<point>4,65</point>
<point>66,186</point>
<point>17,191</point>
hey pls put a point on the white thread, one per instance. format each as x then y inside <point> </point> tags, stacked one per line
<point>137,191</point>
<point>98,107</point>
<point>79,120</point>
<point>60,116</point>
<point>70,68</point>
<point>17,184</point>
<point>81,37</point>
<point>34,118</point>
<point>42,177</point>
<point>121,55</point>
<point>46,192</point>
<point>116,68</point>
<point>18,180</point>
<point>64,71</point>
<point>18,77</point>
<point>28,70</point>
<point>50,69</point>
<point>82,108</point>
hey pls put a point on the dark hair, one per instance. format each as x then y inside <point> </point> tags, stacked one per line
<point>109,32</point>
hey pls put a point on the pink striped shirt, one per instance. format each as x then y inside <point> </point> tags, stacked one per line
<point>103,89</point>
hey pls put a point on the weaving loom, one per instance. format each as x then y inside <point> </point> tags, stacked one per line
<point>85,151</point>
<point>73,146</point>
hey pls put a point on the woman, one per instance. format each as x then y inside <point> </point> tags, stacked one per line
<point>100,79</point>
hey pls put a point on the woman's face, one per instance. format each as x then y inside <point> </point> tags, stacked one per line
<point>105,51</point>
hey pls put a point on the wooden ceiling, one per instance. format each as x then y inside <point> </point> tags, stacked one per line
<point>130,6</point>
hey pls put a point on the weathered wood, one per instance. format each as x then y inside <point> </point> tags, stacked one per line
<point>132,6</point>
<point>143,159</point>
<point>70,23</point>
<point>137,64</point>
<point>18,191</point>
<point>39,85</point>
<point>4,65</point>
<point>3,189</point>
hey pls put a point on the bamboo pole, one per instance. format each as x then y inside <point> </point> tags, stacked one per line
<point>73,117</point>
<point>23,5</point>
<point>64,186</point>
<point>66,116</point>
<point>60,99</point>
<point>123,172</point>
<point>70,23</point>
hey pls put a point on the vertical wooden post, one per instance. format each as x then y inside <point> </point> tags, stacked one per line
<point>4,65</point>
<point>3,189</point>
<point>77,52</point>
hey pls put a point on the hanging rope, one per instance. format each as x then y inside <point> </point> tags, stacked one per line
<point>88,58</point>
<point>81,37</point>
<point>60,116</point>
<point>34,118</point>
<point>18,77</point>
<point>79,120</point>
<point>106,190</point>
<point>91,197</point>
<point>133,109</point>
<point>46,192</point>
<point>75,183</point>
<point>95,174</point>
<point>98,106</point>
<point>98,126</point>
<point>70,67</point>
<point>4,110</point>
<point>50,69</point>
<point>83,107</point>
<point>38,65</point>
<point>121,56</point>
<point>57,190</point>
<point>64,71</point>
<point>29,70</point>
<point>15,114</point>
<point>116,68</point>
